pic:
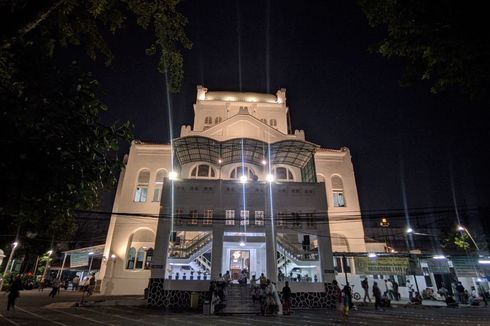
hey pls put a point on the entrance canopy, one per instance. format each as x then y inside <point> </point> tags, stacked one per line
<point>295,153</point>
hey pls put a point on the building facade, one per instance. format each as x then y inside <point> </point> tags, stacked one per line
<point>238,191</point>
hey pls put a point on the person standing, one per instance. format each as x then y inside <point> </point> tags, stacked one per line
<point>377,296</point>
<point>54,288</point>
<point>460,293</point>
<point>338,297</point>
<point>74,283</point>
<point>395,291</point>
<point>286,298</point>
<point>365,286</point>
<point>91,285</point>
<point>14,292</point>
<point>482,293</point>
<point>347,291</point>
<point>389,289</point>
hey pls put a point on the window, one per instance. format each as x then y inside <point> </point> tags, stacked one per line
<point>338,191</point>
<point>208,120</point>
<point>149,258</point>
<point>264,120</point>
<point>259,217</point>
<point>281,218</point>
<point>218,120</point>
<point>203,171</point>
<point>229,217</point>
<point>141,192</point>
<point>273,122</point>
<point>178,216</point>
<point>244,217</point>
<point>157,193</point>
<point>194,215</point>
<point>208,217</point>
<point>237,172</point>
<point>283,174</point>
<point>131,257</point>
<point>140,258</point>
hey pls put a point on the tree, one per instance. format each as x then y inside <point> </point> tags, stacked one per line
<point>444,42</point>
<point>57,156</point>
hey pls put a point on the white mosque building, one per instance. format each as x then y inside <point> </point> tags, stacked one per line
<point>237,191</point>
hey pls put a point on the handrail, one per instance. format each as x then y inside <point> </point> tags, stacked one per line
<point>197,243</point>
<point>295,252</point>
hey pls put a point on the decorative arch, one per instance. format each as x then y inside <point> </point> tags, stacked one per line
<point>144,240</point>
<point>240,170</point>
<point>283,173</point>
<point>320,177</point>
<point>202,171</point>
<point>142,183</point>
<point>339,243</point>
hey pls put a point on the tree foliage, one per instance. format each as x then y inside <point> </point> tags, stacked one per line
<point>57,156</point>
<point>444,42</point>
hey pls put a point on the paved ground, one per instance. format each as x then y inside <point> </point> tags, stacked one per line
<point>35,308</point>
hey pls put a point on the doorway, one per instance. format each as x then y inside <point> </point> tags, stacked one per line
<point>239,261</point>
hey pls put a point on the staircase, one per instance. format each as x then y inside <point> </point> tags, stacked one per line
<point>192,253</point>
<point>238,300</point>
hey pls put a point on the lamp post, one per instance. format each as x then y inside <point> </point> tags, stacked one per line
<point>410,231</point>
<point>14,245</point>
<point>91,256</point>
<point>461,229</point>
<point>47,264</point>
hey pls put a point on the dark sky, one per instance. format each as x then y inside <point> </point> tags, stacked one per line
<point>337,91</point>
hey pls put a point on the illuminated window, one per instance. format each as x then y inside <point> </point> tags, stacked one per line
<point>259,217</point>
<point>194,215</point>
<point>244,217</point>
<point>208,120</point>
<point>208,217</point>
<point>203,171</point>
<point>229,217</point>
<point>338,191</point>
<point>157,193</point>
<point>283,174</point>
<point>148,258</point>
<point>217,120</point>
<point>237,172</point>
<point>140,258</point>
<point>273,122</point>
<point>131,258</point>
<point>141,192</point>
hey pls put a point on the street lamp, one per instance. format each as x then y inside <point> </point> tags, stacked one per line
<point>410,231</point>
<point>14,245</point>
<point>461,229</point>
<point>47,264</point>
<point>91,255</point>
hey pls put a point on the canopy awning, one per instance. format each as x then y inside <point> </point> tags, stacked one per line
<point>95,250</point>
<point>196,148</point>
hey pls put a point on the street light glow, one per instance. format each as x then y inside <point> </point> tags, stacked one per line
<point>409,230</point>
<point>439,257</point>
<point>269,178</point>
<point>461,228</point>
<point>372,255</point>
<point>484,261</point>
<point>15,244</point>
<point>243,179</point>
<point>50,252</point>
<point>91,253</point>
<point>172,175</point>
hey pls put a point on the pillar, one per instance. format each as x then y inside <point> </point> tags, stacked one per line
<point>217,250</point>
<point>271,253</point>
<point>162,241</point>
<point>325,253</point>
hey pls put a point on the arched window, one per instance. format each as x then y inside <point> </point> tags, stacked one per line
<point>283,174</point>
<point>320,178</point>
<point>157,193</point>
<point>237,172</point>
<point>208,120</point>
<point>273,122</point>
<point>141,192</point>
<point>131,257</point>
<point>203,171</point>
<point>218,120</point>
<point>149,258</point>
<point>338,191</point>
<point>140,258</point>
<point>264,120</point>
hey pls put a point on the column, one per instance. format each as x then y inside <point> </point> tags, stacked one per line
<point>325,253</point>
<point>217,250</point>
<point>162,241</point>
<point>271,253</point>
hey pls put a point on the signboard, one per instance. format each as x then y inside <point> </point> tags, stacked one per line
<point>78,260</point>
<point>381,265</point>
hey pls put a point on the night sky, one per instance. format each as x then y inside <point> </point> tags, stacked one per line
<point>337,91</point>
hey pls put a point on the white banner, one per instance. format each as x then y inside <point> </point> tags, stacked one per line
<point>78,260</point>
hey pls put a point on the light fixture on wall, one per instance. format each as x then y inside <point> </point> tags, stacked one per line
<point>242,244</point>
<point>172,175</point>
<point>243,179</point>
<point>236,254</point>
<point>269,178</point>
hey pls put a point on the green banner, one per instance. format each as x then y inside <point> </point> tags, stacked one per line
<point>381,265</point>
